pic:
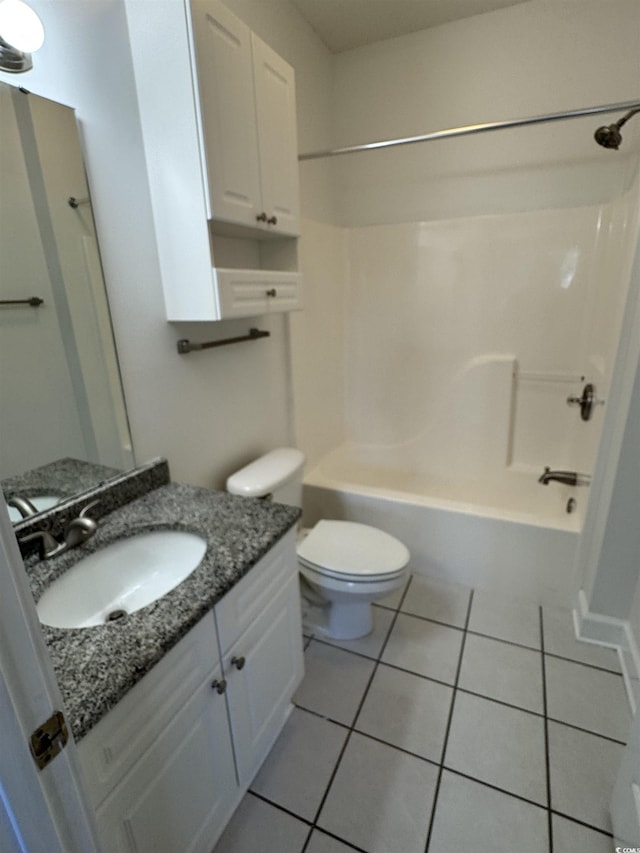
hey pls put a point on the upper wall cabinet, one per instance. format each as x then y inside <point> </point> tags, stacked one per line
<point>247,98</point>
<point>218,120</point>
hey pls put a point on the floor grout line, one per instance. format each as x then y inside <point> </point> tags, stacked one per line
<point>353,722</point>
<point>469,692</point>
<point>441,764</point>
<point>451,769</point>
<point>546,731</point>
<point>448,728</point>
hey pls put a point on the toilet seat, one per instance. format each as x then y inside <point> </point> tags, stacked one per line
<point>353,552</point>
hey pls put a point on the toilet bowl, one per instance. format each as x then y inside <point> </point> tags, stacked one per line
<point>344,566</point>
<point>347,566</point>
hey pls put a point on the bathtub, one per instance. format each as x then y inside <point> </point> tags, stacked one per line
<point>500,531</point>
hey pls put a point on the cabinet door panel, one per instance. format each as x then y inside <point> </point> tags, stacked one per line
<point>277,137</point>
<point>116,743</point>
<point>225,83</point>
<point>259,694</point>
<point>182,791</point>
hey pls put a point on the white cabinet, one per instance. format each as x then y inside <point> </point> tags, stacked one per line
<point>182,790</point>
<point>166,768</point>
<point>259,631</point>
<point>219,129</point>
<point>247,101</point>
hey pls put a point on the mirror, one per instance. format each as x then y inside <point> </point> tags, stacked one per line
<point>63,422</point>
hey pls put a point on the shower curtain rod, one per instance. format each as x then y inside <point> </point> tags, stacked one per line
<point>471,129</point>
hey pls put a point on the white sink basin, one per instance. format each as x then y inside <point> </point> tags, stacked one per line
<point>121,578</point>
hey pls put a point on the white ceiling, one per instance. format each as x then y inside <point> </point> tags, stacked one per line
<point>345,24</point>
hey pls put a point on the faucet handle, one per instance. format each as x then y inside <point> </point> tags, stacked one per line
<point>83,512</point>
<point>81,528</point>
<point>48,544</point>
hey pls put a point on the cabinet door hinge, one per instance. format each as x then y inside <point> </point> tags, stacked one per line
<point>49,739</point>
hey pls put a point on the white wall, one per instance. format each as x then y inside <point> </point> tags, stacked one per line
<point>533,58</point>
<point>317,333</point>
<point>206,412</point>
<point>515,244</point>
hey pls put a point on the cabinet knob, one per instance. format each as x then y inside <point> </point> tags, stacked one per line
<point>262,217</point>
<point>272,220</point>
<point>219,686</point>
<point>238,662</point>
<point>272,292</point>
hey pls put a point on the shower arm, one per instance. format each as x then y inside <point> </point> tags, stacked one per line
<point>632,106</point>
<point>626,117</point>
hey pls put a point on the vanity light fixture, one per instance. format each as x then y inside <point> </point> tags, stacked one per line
<point>21,33</point>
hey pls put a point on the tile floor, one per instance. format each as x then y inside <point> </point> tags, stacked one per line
<point>461,723</point>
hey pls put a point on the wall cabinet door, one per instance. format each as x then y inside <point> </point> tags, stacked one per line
<point>277,137</point>
<point>182,791</point>
<point>263,669</point>
<point>225,83</point>
<point>247,102</point>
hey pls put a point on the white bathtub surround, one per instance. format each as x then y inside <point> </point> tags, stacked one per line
<point>524,550</point>
<point>437,310</point>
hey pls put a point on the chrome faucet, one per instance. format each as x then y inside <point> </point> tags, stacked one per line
<point>78,530</point>
<point>569,478</point>
<point>23,505</point>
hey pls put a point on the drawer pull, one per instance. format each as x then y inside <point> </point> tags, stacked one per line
<point>219,686</point>
<point>272,220</point>
<point>262,217</point>
<point>238,662</point>
<point>272,292</point>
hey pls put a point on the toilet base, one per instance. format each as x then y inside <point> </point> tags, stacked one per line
<point>337,620</point>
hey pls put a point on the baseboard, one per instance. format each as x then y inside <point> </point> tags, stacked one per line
<point>612,633</point>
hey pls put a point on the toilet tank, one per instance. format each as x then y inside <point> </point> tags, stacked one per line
<point>277,474</point>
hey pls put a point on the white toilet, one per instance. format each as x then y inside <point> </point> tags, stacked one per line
<point>344,565</point>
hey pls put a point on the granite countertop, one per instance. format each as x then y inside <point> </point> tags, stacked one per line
<point>96,666</point>
<point>62,478</point>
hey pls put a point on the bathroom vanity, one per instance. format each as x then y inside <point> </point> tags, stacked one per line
<point>176,705</point>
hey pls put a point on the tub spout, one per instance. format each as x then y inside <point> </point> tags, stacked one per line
<point>569,478</point>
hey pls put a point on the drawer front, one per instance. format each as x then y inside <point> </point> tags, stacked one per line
<point>286,296</point>
<point>118,741</point>
<point>245,602</point>
<point>248,293</point>
<point>240,295</point>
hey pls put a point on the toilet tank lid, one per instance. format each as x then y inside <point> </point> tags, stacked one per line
<point>267,473</point>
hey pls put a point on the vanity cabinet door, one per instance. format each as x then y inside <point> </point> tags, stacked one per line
<point>263,668</point>
<point>181,793</point>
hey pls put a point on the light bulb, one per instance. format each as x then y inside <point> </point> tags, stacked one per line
<point>20,27</point>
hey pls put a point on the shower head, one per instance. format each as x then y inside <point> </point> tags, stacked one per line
<point>609,136</point>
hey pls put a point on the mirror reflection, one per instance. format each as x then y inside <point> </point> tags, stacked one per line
<point>63,422</point>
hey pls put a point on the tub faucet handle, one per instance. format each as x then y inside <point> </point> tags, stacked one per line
<point>586,402</point>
